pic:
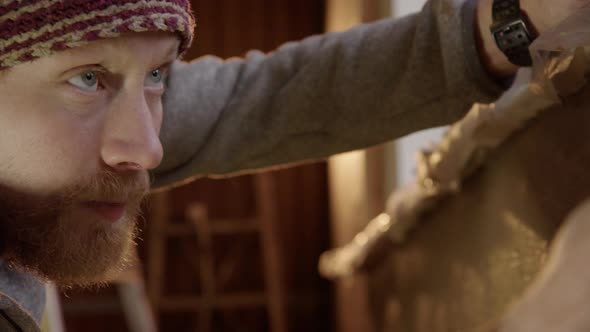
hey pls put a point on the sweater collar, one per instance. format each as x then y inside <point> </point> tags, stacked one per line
<point>22,298</point>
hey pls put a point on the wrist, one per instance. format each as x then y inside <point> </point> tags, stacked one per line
<point>530,10</point>
<point>506,29</point>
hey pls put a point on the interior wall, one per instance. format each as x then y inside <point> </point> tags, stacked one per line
<point>401,156</point>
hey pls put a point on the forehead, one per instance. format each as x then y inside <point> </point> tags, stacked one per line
<point>132,48</point>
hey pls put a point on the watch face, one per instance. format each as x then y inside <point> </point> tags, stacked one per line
<point>514,40</point>
<point>513,35</point>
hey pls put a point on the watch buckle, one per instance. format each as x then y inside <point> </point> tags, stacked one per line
<point>513,38</point>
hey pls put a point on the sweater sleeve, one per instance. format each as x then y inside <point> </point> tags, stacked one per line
<point>322,95</point>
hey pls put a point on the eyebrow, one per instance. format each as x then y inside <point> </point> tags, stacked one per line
<point>166,62</point>
<point>169,57</point>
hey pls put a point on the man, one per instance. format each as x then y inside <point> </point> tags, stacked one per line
<point>81,83</point>
<point>80,86</point>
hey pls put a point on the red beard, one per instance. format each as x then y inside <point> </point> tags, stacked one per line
<point>55,238</point>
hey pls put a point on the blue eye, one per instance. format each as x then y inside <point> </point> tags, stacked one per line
<point>155,77</point>
<point>87,81</point>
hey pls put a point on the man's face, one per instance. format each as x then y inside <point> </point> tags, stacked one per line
<point>78,132</point>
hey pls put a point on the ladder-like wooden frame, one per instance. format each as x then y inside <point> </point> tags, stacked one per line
<point>273,297</point>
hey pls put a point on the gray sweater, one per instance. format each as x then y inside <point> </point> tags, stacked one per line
<point>323,95</point>
<point>306,100</point>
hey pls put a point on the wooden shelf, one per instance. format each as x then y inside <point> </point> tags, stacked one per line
<point>102,305</point>
<point>204,230</point>
<point>220,226</point>
<point>227,301</point>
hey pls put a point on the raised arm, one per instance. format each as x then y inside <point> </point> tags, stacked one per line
<point>323,95</point>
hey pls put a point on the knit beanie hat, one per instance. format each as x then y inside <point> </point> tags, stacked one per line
<point>30,29</point>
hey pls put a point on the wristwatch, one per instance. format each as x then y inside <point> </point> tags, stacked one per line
<point>512,32</point>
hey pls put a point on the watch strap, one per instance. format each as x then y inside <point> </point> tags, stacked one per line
<point>505,10</point>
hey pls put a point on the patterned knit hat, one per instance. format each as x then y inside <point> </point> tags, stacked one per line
<point>30,29</point>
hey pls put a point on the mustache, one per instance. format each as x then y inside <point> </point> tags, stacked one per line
<point>104,186</point>
<point>111,186</point>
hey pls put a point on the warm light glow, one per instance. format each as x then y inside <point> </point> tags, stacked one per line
<point>343,14</point>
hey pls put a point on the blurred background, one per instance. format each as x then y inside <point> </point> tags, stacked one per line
<point>240,254</point>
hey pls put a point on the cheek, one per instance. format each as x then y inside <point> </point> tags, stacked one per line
<point>45,151</point>
<point>157,120</point>
<point>156,110</point>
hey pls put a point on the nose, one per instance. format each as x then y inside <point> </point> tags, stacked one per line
<point>130,139</point>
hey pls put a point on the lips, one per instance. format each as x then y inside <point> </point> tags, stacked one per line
<point>110,211</point>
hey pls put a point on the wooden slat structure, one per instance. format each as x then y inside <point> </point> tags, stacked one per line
<point>273,271</point>
<point>272,298</point>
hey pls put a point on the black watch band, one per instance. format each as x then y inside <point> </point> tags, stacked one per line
<point>511,31</point>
